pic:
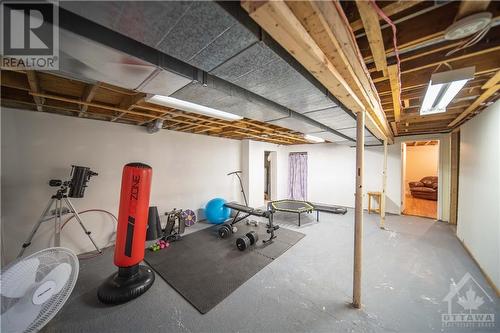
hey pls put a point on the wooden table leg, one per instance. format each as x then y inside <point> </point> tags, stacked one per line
<point>369,203</point>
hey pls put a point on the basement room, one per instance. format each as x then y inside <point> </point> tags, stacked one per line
<point>250,166</point>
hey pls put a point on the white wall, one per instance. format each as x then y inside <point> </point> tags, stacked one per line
<point>421,161</point>
<point>188,170</point>
<point>253,170</point>
<point>479,190</point>
<point>331,172</point>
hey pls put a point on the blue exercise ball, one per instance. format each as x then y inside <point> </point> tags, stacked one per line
<point>216,212</point>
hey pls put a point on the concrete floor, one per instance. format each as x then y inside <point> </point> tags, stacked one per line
<point>407,273</point>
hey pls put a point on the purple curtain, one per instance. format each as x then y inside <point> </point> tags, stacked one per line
<point>297,176</point>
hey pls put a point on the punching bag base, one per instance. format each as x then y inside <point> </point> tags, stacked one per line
<point>126,284</point>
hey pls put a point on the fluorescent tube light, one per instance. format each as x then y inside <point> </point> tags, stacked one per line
<point>450,93</point>
<point>313,138</point>
<point>191,107</point>
<point>443,87</point>
<point>430,96</point>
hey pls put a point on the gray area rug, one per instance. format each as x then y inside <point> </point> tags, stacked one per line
<point>205,269</point>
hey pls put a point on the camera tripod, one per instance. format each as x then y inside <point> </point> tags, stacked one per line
<point>59,199</point>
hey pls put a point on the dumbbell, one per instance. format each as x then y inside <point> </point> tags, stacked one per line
<point>249,239</point>
<point>225,230</point>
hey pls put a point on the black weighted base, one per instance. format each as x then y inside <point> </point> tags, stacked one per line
<point>225,230</point>
<point>126,284</point>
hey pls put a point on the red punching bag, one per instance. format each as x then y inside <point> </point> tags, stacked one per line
<point>131,280</point>
<point>133,214</point>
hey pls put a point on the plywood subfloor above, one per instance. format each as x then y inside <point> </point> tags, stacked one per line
<point>45,92</point>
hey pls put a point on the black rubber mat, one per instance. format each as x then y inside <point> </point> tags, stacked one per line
<point>205,269</point>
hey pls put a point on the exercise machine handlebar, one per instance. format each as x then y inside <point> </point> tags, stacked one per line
<point>237,173</point>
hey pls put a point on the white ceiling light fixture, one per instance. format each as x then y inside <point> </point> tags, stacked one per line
<point>313,138</point>
<point>191,107</point>
<point>443,87</point>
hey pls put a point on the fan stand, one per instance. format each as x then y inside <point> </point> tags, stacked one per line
<point>58,200</point>
<point>126,284</point>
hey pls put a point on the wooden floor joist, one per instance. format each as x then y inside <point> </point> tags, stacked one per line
<point>442,61</point>
<point>88,96</point>
<point>289,25</point>
<point>477,103</point>
<point>471,7</point>
<point>128,103</point>
<point>105,102</point>
<point>393,72</point>
<point>35,88</point>
<point>389,10</point>
<point>371,24</point>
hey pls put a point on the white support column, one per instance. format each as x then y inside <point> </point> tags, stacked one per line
<point>384,188</point>
<point>358,209</point>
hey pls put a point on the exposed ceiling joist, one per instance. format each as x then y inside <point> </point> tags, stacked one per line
<point>97,105</point>
<point>66,96</point>
<point>492,81</point>
<point>425,65</point>
<point>393,72</point>
<point>321,19</point>
<point>15,80</point>
<point>486,64</point>
<point>394,128</point>
<point>389,10</point>
<point>471,7</point>
<point>280,21</point>
<point>416,31</point>
<point>476,104</point>
<point>35,88</point>
<point>128,103</point>
<point>88,96</point>
<point>371,24</point>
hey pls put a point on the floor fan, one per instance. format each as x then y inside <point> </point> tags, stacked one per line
<point>34,288</point>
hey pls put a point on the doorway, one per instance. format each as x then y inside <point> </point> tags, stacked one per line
<point>270,175</point>
<point>267,176</point>
<point>420,163</point>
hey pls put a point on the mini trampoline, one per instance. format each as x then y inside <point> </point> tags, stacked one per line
<point>298,207</point>
<point>292,206</point>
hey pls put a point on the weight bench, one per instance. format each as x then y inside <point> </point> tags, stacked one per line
<point>328,209</point>
<point>248,211</point>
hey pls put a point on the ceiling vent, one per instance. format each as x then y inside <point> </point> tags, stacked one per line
<point>155,126</point>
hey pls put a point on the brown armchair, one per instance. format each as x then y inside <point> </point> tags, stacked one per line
<point>426,188</point>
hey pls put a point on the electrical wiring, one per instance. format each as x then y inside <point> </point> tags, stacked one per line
<point>88,211</point>
<point>381,13</point>
<point>354,43</point>
<point>472,41</point>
